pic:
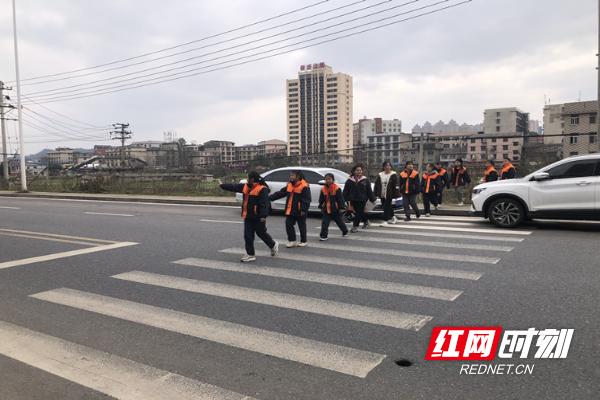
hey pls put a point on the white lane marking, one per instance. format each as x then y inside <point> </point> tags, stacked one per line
<point>373,265</point>
<point>330,308</point>
<point>450,245</point>
<point>455,218</point>
<point>127,202</point>
<point>221,221</point>
<point>65,254</point>
<point>425,221</point>
<point>109,214</point>
<point>407,253</point>
<point>454,236</point>
<point>337,280</point>
<point>106,373</point>
<point>288,347</point>
<point>51,239</point>
<point>491,231</point>
<point>10,208</point>
<point>87,239</point>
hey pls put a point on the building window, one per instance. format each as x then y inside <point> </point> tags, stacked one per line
<point>592,138</point>
<point>494,140</point>
<point>574,119</point>
<point>593,119</point>
<point>498,121</point>
<point>497,129</point>
<point>573,140</point>
<point>498,114</point>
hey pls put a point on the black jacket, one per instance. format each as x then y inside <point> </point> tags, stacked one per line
<point>460,177</point>
<point>409,182</point>
<point>391,191</point>
<point>297,196</point>
<point>508,172</point>
<point>336,199</point>
<point>255,205</point>
<point>444,178</point>
<point>358,191</point>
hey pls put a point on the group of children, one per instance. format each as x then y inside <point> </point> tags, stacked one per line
<point>334,202</point>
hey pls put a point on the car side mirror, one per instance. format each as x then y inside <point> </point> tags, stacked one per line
<point>321,182</point>
<point>541,176</point>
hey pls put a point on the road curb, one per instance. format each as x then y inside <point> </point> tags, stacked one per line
<point>124,199</point>
<point>191,201</point>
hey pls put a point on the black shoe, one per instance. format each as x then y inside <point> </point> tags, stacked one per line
<point>418,216</point>
<point>407,218</point>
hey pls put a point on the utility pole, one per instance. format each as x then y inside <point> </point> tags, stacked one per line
<point>19,108</point>
<point>121,133</point>
<point>3,128</point>
<point>598,68</point>
<point>421,152</point>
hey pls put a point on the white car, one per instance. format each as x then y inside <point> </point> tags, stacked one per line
<point>279,178</point>
<point>567,189</point>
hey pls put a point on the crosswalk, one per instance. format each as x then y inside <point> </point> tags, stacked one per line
<point>390,262</point>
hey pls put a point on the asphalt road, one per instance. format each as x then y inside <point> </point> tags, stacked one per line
<point>102,310</point>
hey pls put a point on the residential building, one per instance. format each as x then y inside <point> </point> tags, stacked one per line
<point>451,127</point>
<point>497,147</point>
<point>534,127</point>
<point>393,147</point>
<point>505,121</point>
<point>223,149</point>
<point>580,122</point>
<point>319,112</point>
<point>273,147</point>
<point>553,124</point>
<point>247,152</point>
<point>62,156</point>
<point>366,127</point>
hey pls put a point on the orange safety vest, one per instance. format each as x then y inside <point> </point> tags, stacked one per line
<point>487,172</point>
<point>428,177</point>
<point>404,175</point>
<point>292,191</point>
<point>442,172</point>
<point>505,168</point>
<point>331,192</point>
<point>255,191</point>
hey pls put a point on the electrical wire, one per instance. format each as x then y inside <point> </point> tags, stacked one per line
<point>86,85</point>
<point>157,80</point>
<point>183,44</point>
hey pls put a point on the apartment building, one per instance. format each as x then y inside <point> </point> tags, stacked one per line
<point>273,147</point>
<point>319,112</point>
<point>366,127</point>
<point>505,121</point>
<point>580,121</point>
<point>553,124</point>
<point>247,152</point>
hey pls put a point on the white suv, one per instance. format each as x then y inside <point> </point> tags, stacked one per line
<point>567,189</point>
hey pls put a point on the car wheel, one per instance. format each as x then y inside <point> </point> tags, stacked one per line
<point>506,213</point>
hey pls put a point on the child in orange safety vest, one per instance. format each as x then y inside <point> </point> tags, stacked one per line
<point>409,188</point>
<point>331,203</point>
<point>429,188</point>
<point>508,170</point>
<point>255,209</point>
<point>298,198</point>
<point>489,174</point>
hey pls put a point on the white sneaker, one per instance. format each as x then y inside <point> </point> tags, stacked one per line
<point>393,221</point>
<point>435,207</point>
<point>461,204</point>
<point>428,215</point>
<point>438,206</point>
<point>248,258</point>
<point>322,239</point>
<point>289,245</point>
<point>385,223</point>
<point>302,244</point>
<point>275,249</point>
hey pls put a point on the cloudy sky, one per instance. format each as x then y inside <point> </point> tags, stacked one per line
<point>453,64</point>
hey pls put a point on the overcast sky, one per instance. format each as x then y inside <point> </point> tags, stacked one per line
<point>486,54</point>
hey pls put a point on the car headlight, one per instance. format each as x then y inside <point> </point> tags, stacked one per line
<point>478,190</point>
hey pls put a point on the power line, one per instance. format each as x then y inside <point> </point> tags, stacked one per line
<point>76,134</point>
<point>157,80</point>
<point>65,116</point>
<point>184,44</point>
<point>212,44</point>
<point>86,85</point>
<point>44,130</point>
<point>63,125</point>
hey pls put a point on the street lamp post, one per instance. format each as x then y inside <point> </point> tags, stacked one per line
<point>23,166</point>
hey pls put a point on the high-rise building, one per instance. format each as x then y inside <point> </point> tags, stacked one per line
<point>505,121</point>
<point>580,128</point>
<point>319,112</point>
<point>553,124</point>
